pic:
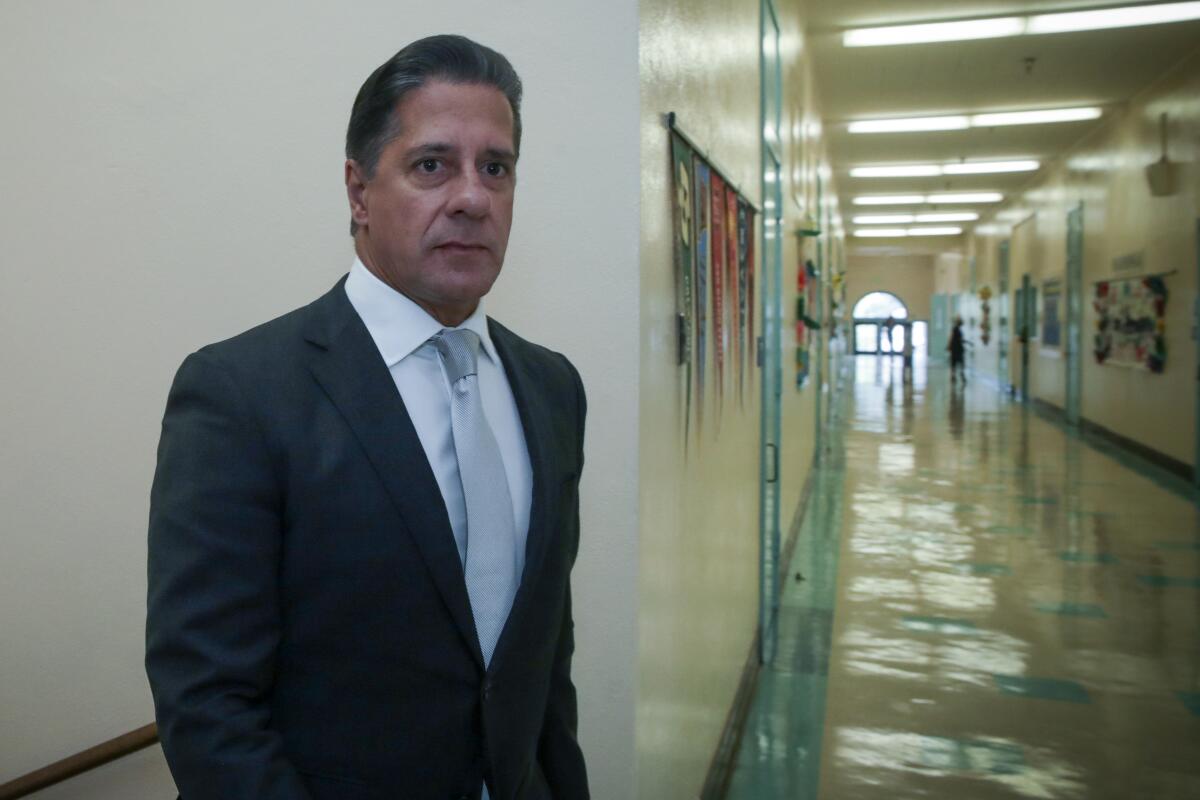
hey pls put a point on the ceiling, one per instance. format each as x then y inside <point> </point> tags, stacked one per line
<point>1104,68</point>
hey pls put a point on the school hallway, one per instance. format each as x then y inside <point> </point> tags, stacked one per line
<point>980,605</point>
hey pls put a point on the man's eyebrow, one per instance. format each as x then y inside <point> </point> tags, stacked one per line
<point>428,149</point>
<point>496,154</point>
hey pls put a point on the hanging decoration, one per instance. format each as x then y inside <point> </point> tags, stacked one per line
<point>714,276</point>
<point>1131,323</point>
<point>807,303</point>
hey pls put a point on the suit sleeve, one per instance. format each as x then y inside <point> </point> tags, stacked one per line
<point>558,752</point>
<point>213,617</point>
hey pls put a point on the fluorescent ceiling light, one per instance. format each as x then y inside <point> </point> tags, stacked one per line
<point>965,197</point>
<point>904,171</point>
<point>1034,24</point>
<point>935,32</point>
<point>952,123</point>
<point>1128,17</point>
<point>931,170</point>
<point>962,122</point>
<point>949,231</point>
<point>897,233</point>
<point>962,216</point>
<point>889,200</point>
<point>917,199</point>
<point>884,219</point>
<point>878,233</point>
<point>1034,117</point>
<point>989,167</point>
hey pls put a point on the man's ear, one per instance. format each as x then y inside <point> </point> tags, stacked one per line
<point>356,192</point>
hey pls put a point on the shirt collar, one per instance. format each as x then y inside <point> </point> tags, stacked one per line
<point>397,324</point>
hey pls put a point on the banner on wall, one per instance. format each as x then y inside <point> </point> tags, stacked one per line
<point>718,285</point>
<point>1131,323</point>
<point>681,160</point>
<point>714,247</point>
<point>700,254</point>
<point>736,351</point>
<point>1051,304</point>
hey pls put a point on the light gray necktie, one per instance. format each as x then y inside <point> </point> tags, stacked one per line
<point>491,560</point>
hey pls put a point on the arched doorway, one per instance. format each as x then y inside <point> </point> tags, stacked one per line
<point>881,325</point>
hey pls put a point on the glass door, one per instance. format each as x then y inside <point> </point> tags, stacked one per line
<point>772,344</point>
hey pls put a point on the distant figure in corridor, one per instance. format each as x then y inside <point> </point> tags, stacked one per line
<point>956,348</point>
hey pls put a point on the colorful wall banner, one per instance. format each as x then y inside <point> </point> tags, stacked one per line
<point>718,284</point>
<point>681,162</point>
<point>714,247</point>
<point>1131,323</point>
<point>737,349</point>
<point>702,185</point>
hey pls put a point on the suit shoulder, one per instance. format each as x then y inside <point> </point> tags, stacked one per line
<point>549,364</point>
<point>272,344</point>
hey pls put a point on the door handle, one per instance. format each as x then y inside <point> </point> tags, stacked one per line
<point>773,462</point>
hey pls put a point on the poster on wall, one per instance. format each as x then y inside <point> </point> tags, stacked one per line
<point>733,293</point>
<point>1131,324</point>
<point>700,229</point>
<point>681,159</point>
<point>718,285</point>
<point>1051,305</point>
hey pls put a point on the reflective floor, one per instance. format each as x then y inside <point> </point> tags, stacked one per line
<point>980,606</point>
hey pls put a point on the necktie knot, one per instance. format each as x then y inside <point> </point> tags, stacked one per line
<point>459,349</point>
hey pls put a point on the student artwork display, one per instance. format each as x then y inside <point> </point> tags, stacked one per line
<point>714,276</point>
<point>806,307</point>
<point>1051,324</point>
<point>1131,323</point>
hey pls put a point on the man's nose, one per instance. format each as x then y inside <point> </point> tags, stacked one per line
<point>469,195</point>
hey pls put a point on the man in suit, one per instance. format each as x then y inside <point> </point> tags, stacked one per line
<point>365,512</point>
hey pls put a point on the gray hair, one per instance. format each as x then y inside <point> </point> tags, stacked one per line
<point>456,59</point>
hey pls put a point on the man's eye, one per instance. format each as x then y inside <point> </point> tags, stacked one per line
<point>428,165</point>
<point>495,169</point>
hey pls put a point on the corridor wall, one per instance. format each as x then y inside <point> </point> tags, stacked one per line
<point>909,277</point>
<point>173,175</point>
<point>698,494</point>
<point>1106,173</point>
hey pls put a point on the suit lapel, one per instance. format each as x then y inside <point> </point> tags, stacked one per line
<point>535,420</point>
<point>348,367</point>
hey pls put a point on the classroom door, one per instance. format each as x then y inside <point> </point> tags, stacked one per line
<point>772,340</point>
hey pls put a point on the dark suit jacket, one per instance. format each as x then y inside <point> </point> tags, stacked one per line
<point>309,635</point>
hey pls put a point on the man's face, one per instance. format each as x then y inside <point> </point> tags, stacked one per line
<point>435,217</point>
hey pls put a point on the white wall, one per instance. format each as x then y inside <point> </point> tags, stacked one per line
<point>173,176</point>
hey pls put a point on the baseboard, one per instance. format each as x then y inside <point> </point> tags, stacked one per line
<point>720,768</point>
<point>1156,458</point>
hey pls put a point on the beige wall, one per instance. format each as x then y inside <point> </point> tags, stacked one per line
<point>173,175</point>
<point>1106,173</point>
<point>909,277</point>
<point>698,602</point>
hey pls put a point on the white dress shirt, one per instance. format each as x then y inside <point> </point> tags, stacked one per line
<point>401,330</point>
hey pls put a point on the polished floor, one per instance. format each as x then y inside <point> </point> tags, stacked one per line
<point>980,605</point>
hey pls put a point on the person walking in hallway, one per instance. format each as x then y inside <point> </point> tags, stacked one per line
<point>957,348</point>
<point>364,515</point>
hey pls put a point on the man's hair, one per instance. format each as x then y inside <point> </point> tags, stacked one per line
<point>374,121</point>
